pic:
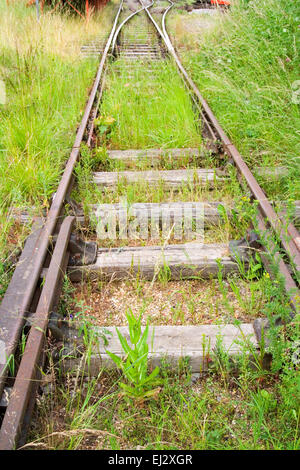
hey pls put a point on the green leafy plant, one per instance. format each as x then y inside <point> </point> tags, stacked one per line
<point>135,363</point>
<point>105,126</point>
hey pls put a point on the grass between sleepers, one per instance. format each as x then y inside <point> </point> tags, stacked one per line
<point>152,108</point>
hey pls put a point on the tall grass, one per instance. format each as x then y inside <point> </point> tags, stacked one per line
<point>152,109</point>
<point>58,33</point>
<point>47,84</point>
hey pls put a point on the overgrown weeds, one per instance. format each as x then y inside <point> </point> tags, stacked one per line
<point>135,363</point>
<point>199,415</point>
<point>245,65</point>
<point>46,84</point>
<point>152,111</point>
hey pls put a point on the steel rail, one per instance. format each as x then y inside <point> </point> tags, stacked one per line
<point>291,245</point>
<point>29,367</point>
<point>13,311</point>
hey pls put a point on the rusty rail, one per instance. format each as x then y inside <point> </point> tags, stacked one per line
<point>31,360</point>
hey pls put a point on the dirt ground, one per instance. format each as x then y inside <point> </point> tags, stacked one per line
<point>163,303</point>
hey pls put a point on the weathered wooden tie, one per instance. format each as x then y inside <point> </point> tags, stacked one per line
<point>205,212</point>
<point>154,156</point>
<point>275,172</point>
<point>182,261</point>
<point>173,178</point>
<point>172,344</point>
<point>155,210</point>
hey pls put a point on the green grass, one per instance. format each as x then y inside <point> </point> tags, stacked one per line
<point>152,108</point>
<point>245,67</point>
<point>38,124</point>
<point>46,84</point>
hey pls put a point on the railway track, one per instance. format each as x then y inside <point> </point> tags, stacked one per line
<point>53,247</point>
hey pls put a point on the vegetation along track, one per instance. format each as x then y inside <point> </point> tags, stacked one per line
<point>178,169</point>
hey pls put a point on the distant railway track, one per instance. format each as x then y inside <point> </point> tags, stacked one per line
<point>35,287</point>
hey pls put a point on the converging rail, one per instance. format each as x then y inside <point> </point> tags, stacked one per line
<point>36,285</point>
